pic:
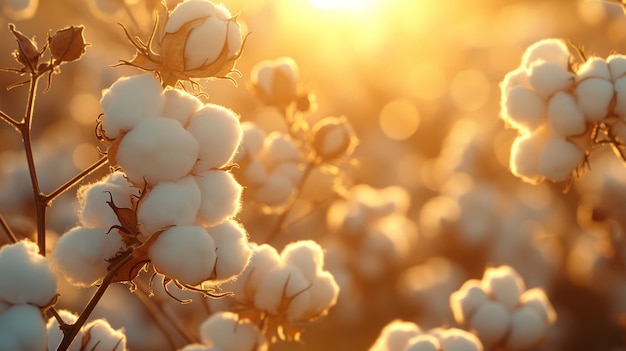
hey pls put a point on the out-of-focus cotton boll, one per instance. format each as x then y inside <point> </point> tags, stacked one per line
<point>225,331</point>
<point>465,301</point>
<point>231,245</point>
<point>526,329</point>
<point>22,328</point>
<point>423,342</point>
<point>26,275</point>
<point>620,97</point>
<point>594,67</point>
<point>94,210</point>
<point>617,66</point>
<point>128,101</point>
<point>157,150</point>
<point>279,148</point>
<point>405,336</point>
<point>198,347</point>
<point>168,204</point>
<point>276,82</point>
<point>55,334</point>
<point>559,159</point>
<point>252,141</point>
<point>256,174</point>
<point>547,78</point>
<point>275,191</point>
<point>455,339</point>
<point>565,116</point>
<point>184,253</point>
<point>549,50</point>
<point>525,153</point>
<point>220,197</point>
<point>490,321</point>
<point>180,105</point>
<point>101,336</point>
<point>523,108</point>
<point>504,285</point>
<point>536,299</point>
<point>290,170</point>
<point>396,336</point>
<point>20,9</point>
<point>594,96</point>
<point>81,254</point>
<point>218,132</point>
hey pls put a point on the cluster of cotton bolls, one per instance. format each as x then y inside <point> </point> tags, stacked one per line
<point>172,193</point>
<point>29,286</point>
<point>96,335</point>
<point>224,331</point>
<point>406,336</point>
<point>553,107</point>
<point>285,290</point>
<point>501,312</point>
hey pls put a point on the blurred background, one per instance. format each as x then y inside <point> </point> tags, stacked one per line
<point>418,79</point>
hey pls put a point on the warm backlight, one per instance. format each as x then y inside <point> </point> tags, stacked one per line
<point>341,4</point>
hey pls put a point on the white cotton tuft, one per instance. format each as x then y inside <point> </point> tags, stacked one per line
<point>504,285</point>
<point>490,321</point>
<point>188,11</point>
<point>536,298</point>
<point>322,295</point>
<point>168,204</point>
<point>25,275</point>
<point>547,78</point>
<point>523,108</point>
<point>279,148</point>
<point>218,132</point>
<point>620,97</point>
<point>264,258</point>
<point>157,150</point>
<point>184,253</point>
<point>233,252</point>
<point>276,190</point>
<point>198,347</point>
<point>565,116</point>
<point>550,50</point>
<point>180,105</point>
<point>559,159</point>
<point>81,254</point>
<point>396,336</point>
<point>101,336</point>
<point>128,101</point>
<point>220,197</point>
<point>594,97</point>
<point>617,66</point>
<point>526,329</point>
<point>423,342</point>
<point>22,328</point>
<point>94,209</point>
<point>306,255</point>
<point>517,77</point>
<point>525,153</point>
<point>594,67</point>
<point>455,339</point>
<point>55,334</point>
<point>465,301</point>
<point>279,284</point>
<point>225,331</point>
<point>252,141</point>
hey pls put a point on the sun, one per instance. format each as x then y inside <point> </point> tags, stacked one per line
<point>341,4</point>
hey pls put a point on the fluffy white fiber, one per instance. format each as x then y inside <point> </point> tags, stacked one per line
<point>559,159</point>
<point>265,74</point>
<point>22,328</point>
<point>275,191</point>
<point>396,336</point>
<point>280,283</point>
<point>565,116</point>
<point>594,97</point>
<point>225,331</point>
<point>220,197</point>
<point>524,161</point>
<point>617,66</point>
<point>523,108</point>
<point>279,148</point>
<point>180,105</point>
<point>490,321</point>
<point>465,301</point>
<point>233,252</point>
<point>549,50</point>
<point>547,78</point>
<point>504,285</point>
<point>94,211</point>
<point>527,328</point>
<point>594,67</point>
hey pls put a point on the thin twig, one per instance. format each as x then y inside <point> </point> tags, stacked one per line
<point>7,229</point>
<point>10,120</point>
<point>70,183</point>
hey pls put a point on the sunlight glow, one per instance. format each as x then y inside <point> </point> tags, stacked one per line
<point>341,4</point>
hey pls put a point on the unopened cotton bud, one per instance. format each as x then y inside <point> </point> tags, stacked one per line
<point>559,159</point>
<point>594,67</point>
<point>523,108</point>
<point>549,50</point>
<point>465,301</point>
<point>617,66</point>
<point>526,329</point>
<point>333,137</point>
<point>276,82</point>
<point>220,197</point>
<point>67,44</point>
<point>156,150</point>
<point>184,253</point>
<point>180,105</point>
<point>504,285</point>
<point>525,153</point>
<point>25,275</point>
<point>218,132</point>
<point>233,252</point>
<point>490,321</point>
<point>168,204</point>
<point>594,97</point>
<point>128,101</point>
<point>548,78</point>
<point>225,331</point>
<point>565,116</point>
<point>22,328</point>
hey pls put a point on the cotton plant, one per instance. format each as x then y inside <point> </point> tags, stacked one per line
<point>225,331</point>
<point>401,335</point>
<point>501,311</point>
<point>96,335</point>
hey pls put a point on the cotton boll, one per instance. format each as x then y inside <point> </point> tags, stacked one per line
<point>512,79</point>
<point>220,197</point>
<point>594,67</point>
<point>94,210</point>
<point>128,101</point>
<point>322,295</point>
<point>81,254</point>
<point>55,334</point>
<point>180,105</point>
<point>423,342</point>
<point>184,253</point>
<point>264,258</point>
<point>101,337</point>
<point>617,66</point>
<point>22,328</point>
<point>157,150</point>
<point>396,336</point>
<point>225,331</point>
<point>26,275</point>
<point>279,148</point>
<point>536,298</point>
<point>559,159</point>
<point>620,97</point>
<point>465,301</point>
<point>252,140</point>
<point>280,283</point>
<point>276,190</point>
<point>504,285</point>
<point>183,14</point>
<point>523,108</point>
<point>306,255</point>
<point>290,170</point>
<point>233,252</point>
<point>218,132</point>
<point>255,172</point>
<point>565,116</point>
<point>550,50</point>
<point>168,204</point>
<point>455,339</point>
<point>547,78</point>
<point>490,322</point>
<point>525,153</point>
<point>526,329</point>
<point>594,97</point>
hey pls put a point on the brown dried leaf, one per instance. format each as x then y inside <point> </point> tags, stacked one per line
<point>67,44</point>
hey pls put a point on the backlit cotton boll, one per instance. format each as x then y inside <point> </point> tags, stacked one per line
<point>184,253</point>
<point>225,331</point>
<point>156,150</point>
<point>549,50</point>
<point>559,159</point>
<point>94,210</point>
<point>594,67</point>
<point>547,78</point>
<point>617,66</point>
<point>128,101</point>
<point>100,336</point>
<point>565,116</point>
<point>25,275</point>
<point>276,82</point>
<point>525,151</point>
<point>22,328</point>
<point>594,96</point>
<point>620,97</point>
<point>406,336</point>
<point>180,105</point>
<point>504,285</point>
<point>523,108</point>
<point>55,334</point>
<point>220,196</point>
<point>230,238</point>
